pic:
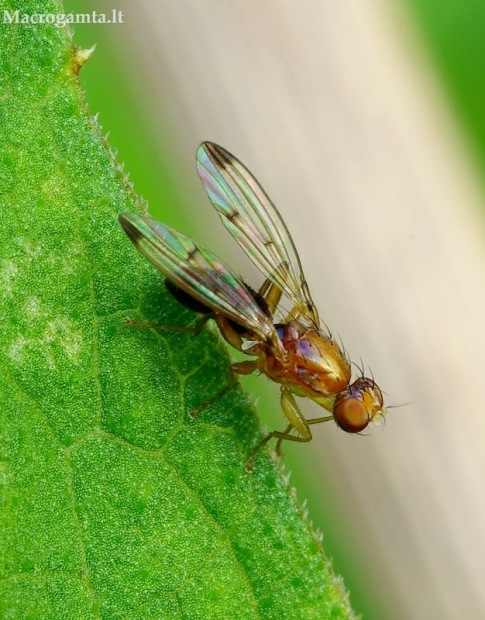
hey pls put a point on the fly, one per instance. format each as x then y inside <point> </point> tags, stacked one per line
<point>294,350</point>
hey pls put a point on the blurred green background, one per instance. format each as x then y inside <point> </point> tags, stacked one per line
<point>453,34</point>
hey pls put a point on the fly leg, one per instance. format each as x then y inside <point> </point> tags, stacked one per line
<point>297,422</point>
<point>190,330</point>
<point>212,399</point>
<point>240,368</point>
<point>287,430</point>
<point>271,295</point>
<point>186,300</point>
<point>174,328</point>
<point>278,450</point>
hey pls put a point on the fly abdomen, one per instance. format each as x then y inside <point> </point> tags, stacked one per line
<point>185,299</point>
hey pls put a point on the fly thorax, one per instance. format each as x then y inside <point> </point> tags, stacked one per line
<point>317,359</point>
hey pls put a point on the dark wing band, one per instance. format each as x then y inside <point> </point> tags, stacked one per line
<point>197,272</point>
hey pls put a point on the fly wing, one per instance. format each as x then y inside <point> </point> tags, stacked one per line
<point>254,222</point>
<point>197,272</point>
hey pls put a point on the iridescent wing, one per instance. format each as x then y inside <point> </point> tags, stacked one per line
<point>254,222</point>
<point>197,272</point>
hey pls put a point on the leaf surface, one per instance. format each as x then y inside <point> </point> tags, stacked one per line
<point>114,503</point>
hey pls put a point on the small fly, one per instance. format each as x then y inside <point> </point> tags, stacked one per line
<point>290,348</point>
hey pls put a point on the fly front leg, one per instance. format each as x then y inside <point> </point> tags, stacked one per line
<point>278,450</point>
<point>287,430</point>
<point>297,421</point>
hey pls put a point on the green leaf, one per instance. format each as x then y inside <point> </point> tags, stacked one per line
<point>114,502</point>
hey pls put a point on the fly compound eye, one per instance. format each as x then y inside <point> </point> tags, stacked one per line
<point>351,414</point>
<point>355,407</point>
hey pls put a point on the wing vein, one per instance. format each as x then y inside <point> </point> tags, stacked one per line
<point>255,223</point>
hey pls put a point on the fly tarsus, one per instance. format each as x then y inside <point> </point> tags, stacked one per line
<point>173,328</point>
<point>280,435</point>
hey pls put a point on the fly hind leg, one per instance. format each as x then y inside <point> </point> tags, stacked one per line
<point>174,328</point>
<point>188,302</point>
